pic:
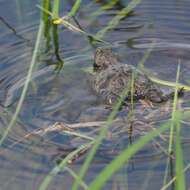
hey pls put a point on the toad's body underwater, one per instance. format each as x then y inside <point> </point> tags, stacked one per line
<point>112,78</point>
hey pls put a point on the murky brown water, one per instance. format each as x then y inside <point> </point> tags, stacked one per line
<point>68,97</point>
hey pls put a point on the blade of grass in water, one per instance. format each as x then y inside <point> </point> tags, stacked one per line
<point>169,83</point>
<point>180,179</point>
<point>75,8</point>
<point>172,128</point>
<point>115,21</point>
<point>46,5</point>
<point>80,135</point>
<point>60,62</point>
<point>56,9</point>
<point>75,176</point>
<point>47,24</point>
<point>55,14</point>
<point>58,168</point>
<point>173,114</point>
<point>26,84</point>
<point>164,82</point>
<point>45,10</point>
<point>166,186</point>
<point>175,122</point>
<point>109,5</point>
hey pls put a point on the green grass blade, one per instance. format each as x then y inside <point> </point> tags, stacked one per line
<point>56,9</point>
<point>180,179</point>
<point>107,6</point>
<point>175,121</point>
<point>58,168</point>
<point>75,8</point>
<point>26,84</point>
<point>47,23</point>
<point>75,176</point>
<point>173,114</point>
<point>123,158</point>
<point>80,135</point>
<point>45,10</point>
<point>46,5</point>
<point>115,21</point>
<point>172,123</point>
<point>166,186</point>
<point>55,34</point>
<point>169,83</point>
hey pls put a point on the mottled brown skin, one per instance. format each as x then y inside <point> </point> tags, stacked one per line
<point>112,78</point>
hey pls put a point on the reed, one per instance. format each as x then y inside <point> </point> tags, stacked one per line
<point>75,8</point>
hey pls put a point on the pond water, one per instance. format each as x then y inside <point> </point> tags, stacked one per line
<point>68,97</point>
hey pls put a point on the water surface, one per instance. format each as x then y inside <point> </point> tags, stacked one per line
<point>68,96</point>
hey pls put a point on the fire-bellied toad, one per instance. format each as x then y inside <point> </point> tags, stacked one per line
<point>112,78</point>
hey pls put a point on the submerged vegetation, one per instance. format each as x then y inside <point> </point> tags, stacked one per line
<point>49,29</point>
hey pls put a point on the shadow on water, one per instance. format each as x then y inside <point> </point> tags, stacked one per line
<point>67,97</point>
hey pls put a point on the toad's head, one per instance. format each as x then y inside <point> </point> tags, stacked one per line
<point>103,58</point>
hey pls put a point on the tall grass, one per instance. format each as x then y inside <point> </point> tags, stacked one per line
<point>115,21</point>
<point>56,4</point>
<point>176,117</point>
<point>175,127</point>
<point>107,6</point>
<point>47,24</point>
<point>179,165</point>
<point>75,8</point>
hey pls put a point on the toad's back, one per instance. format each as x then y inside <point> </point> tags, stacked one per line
<point>112,78</point>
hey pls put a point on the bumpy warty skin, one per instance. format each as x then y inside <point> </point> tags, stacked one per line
<point>112,78</point>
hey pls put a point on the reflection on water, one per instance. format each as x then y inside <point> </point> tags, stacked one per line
<point>67,97</point>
